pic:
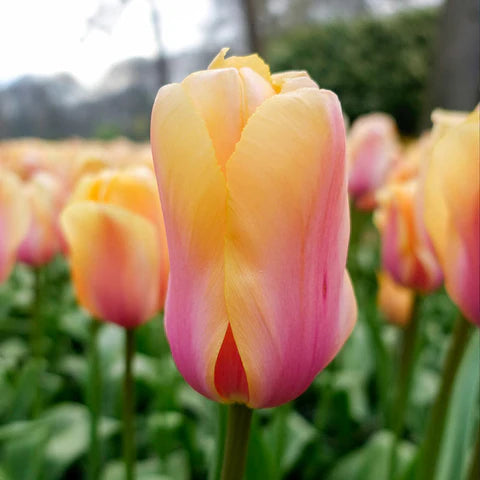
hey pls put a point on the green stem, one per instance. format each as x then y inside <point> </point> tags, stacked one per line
<point>93,400</point>
<point>474,471</point>
<point>129,407</point>
<point>36,315</point>
<point>430,448</point>
<point>221,432</point>
<point>280,423</point>
<point>37,334</point>
<point>407,363</point>
<point>382,360</point>
<point>236,442</point>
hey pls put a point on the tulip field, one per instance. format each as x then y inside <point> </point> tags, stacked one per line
<point>267,290</point>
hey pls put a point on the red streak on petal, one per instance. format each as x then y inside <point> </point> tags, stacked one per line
<point>230,378</point>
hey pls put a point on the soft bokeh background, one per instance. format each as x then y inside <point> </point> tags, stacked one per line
<point>92,68</point>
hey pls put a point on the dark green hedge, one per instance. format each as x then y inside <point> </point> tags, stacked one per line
<point>373,64</point>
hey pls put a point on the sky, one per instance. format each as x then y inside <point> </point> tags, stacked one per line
<point>44,37</point>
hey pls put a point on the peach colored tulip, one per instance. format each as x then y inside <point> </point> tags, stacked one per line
<point>41,242</point>
<point>14,220</point>
<point>407,252</point>
<point>373,148</point>
<point>119,259</point>
<point>452,212</point>
<point>252,178</point>
<point>394,301</point>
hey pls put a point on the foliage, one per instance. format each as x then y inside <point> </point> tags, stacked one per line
<point>372,63</point>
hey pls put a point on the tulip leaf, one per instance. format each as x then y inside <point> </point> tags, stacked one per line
<point>462,419</point>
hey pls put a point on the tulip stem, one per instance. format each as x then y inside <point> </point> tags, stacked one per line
<point>430,448</point>
<point>408,354</point>
<point>474,471</point>
<point>221,432</point>
<point>36,315</point>
<point>93,400</point>
<point>37,333</point>
<point>236,442</point>
<point>129,407</point>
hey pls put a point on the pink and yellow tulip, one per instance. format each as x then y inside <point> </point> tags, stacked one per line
<point>14,220</point>
<point>252,178</point>
<point>42,241</point>
<point>373,148</point>
<point>119,258</point>
<point>407,252</point>
<point>452,211</point>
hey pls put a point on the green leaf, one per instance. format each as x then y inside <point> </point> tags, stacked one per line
<point>462,417</point>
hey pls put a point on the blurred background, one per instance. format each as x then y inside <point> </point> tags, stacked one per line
<point>92,68</point>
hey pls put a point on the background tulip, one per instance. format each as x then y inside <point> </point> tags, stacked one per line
<point>42,240</point>
<point>394,301</point>
<point>452,212</point>
<point>119,258</point>
<point>407,253</point>
<point>255,204</point>
<point>373,148</point>
<point>14,220</point>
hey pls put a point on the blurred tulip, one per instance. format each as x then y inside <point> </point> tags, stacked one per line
<point>373,148</point>
<point>407,253</point>
<point>41,242</point>
<point>394,301</point>
<point>119,259</point>
<point>452,212</point>
<point>252,178</point>
<point>14,220</point>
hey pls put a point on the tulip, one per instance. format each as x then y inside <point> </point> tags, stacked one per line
<point>253,191</point>
<point>42,241</point>
<point>121,276</point>
<point>407,252</point>
<point>373,148</point>
<point>452,212</point>
<point>394,301</point>
<point>14,220</point>
<point>119,261</point>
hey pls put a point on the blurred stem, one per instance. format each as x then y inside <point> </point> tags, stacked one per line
<point>408,355</point>
<point>129,407</point>
<point>36,315</point>
<point>430,448</point>
<point>236,442</point>
<point>474,471</point>
<point>221,431</point>
<point>93,400</point>
<point>37,333</point>
<point>382,361</point>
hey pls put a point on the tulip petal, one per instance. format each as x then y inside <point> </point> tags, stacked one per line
<point>193,195</point>
<point>114,255</point>
<point>453,218</point>
<point>218,98</point>
<point>253,62</point>
<point>290,260</point>
<point>14,220</point>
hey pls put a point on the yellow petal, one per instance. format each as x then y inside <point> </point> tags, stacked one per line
<point>251,61</point>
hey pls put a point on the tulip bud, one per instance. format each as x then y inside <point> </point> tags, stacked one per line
<point>41,242</point>
<point>252,179</point>
<point>119,259</point>
<point>373,149</point>
<point>14,220</point>
<point>452,212</point>
<point>407,253</point>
